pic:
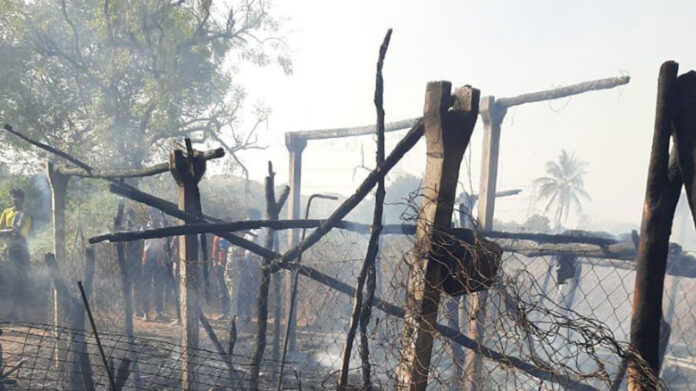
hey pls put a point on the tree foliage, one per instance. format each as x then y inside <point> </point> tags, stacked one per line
<point>563,186</point>
<point>112,81</point>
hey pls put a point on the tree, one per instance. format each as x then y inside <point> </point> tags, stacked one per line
<point>537,223</point>
<point>563,186</point>
<point>112,81</point>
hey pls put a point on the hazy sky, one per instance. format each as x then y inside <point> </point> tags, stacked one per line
<point>504,48</point>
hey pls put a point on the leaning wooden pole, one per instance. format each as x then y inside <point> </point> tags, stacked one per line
<point>188,169</point>
<point>362,310</point>
<point>377,226</point>
<point>661,196</point>
<point>447,133</point>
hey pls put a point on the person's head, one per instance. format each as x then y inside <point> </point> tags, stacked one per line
<point>17,198</point>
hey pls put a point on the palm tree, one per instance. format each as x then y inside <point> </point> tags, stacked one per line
<point>563,186</point>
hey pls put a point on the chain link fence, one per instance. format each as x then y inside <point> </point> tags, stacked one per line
<point>545,323</point>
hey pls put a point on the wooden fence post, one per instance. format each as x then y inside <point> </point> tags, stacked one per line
<point>662,193</point>
<point>273,207</point>
<point>188,169</point>
<point>59,187</point>
<point>447,135</point>
<point>296,145</point>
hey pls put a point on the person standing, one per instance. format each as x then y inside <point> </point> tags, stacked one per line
<point>221,248</point>
<point>242,274</point>
<point>15,225</point>
<point>154,274</point>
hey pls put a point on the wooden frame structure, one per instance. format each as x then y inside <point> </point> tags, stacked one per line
<point>492,113</point>
<point>413,371</point>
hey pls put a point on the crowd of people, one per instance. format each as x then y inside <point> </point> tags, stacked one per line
<point>231,279</point>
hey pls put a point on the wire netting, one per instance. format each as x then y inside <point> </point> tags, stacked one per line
<point>543,322</point>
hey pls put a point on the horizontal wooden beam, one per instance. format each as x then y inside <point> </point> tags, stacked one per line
<point>322,134</point>
<point>562,92</point>
<point>555,93</point>
<point>131,172</point>
<point>217,228</point>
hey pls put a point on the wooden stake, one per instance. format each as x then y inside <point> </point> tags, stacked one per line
<point>188,169</point>
<point>662,193</point>
<point>59,186</point>
<point>447,134</point>
<point>273,208</point>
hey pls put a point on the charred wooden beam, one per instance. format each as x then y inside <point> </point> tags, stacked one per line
<point>86,171</point>
<point>132,172</point>
<point>48,148</point>
<point>662,193</point>
<point>222,228</point>
<point>172,210</point>
<point>388,229</point>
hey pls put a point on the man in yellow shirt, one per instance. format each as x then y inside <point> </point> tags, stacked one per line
<point>15,225</point>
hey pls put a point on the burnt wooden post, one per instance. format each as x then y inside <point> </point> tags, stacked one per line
<point>273,207</point>
<point>277,289</point>
<point>447,134</point>
<point>662,193</point>
<point>59,187</point>
<point>188,169</point>
<point>296,145</point>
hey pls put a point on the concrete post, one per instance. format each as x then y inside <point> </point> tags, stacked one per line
<point>296,146</point>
